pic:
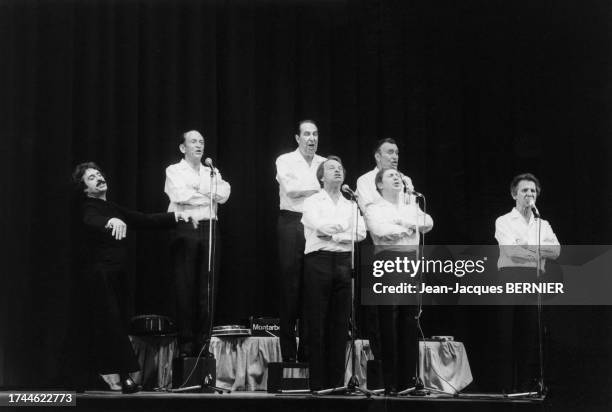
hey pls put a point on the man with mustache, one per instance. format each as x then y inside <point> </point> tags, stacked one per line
<point>518,233</point>
<point>329,228</point>
<point>188,186</point>
<point>105,228</point>
<point>296,177</point>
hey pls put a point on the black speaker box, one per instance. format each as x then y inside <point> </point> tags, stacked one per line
<point>374,375</point>
<point>199,370</point>
<point>284,376</point>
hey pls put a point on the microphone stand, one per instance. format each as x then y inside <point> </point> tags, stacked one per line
<point>352,386</point>
<point>419,389</point>
<point>208,383</point>
<point>541,388</point>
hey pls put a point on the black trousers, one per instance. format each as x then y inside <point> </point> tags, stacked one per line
<point>398,344</point>
<point>327,309</point>
<point>195,295</point>
<point>291,245</point>
<point>111,348</point>
<point>398,336</point>
<point>516,333</point>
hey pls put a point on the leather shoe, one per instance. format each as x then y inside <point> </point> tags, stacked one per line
<point>129,386</point>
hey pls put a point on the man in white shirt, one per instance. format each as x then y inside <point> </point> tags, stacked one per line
<point>519,233</point>
<point>329,228</point>
<point>386,155</point>
<point>188,186</point>
<point>391,223</point>
<point>395,228</point>
<point>296,177</point>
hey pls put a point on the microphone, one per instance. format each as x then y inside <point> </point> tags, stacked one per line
<point>534,209</point>
<point>415,193</point>
<point>408,185</point>
<point>208,162</point>
<point>346,189</point>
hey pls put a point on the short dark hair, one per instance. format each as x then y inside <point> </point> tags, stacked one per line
<point>181,139</point>
<point>524,176</point>
<point>379,176</point>
<point>382,142</point>
<point>79,171</point>
<point>301,122</point>
<point>321,167</point>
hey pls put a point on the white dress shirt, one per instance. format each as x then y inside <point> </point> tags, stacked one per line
<point>367,193</point>
<point>385,218</point>
<point>189,190</point>
<point>294,174</point>
<point>511,231</point>
<point>320,210</point>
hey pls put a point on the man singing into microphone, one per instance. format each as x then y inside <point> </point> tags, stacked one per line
<point>329,228</point>
<point>386,155</point>
<point>519,233</point>
<point>395,228</point>
<point>188,185</point>
<point>297,180</point>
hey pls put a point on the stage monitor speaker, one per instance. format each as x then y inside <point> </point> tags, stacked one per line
<point>374,375</point>
<point>287,376</point>
<point>183,367</point>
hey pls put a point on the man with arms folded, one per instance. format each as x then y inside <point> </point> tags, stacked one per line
<point>395,228</point>
<point>386,155</point>
<point>517,234</point>
<point>329,227</point>
<point>188,185</point>
<point>296,177</point>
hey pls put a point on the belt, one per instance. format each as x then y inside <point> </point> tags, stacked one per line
<point>290,213</point>
<point>328,253</point>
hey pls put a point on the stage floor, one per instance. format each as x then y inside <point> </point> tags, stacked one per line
<point>252,401</point>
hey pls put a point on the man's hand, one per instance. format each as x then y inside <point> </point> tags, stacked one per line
<point>343,239</point>
<point>392,237</point>
<point>186,217</point>
<point>330,229</point>
<point>118,228</point>
<point>523,243</point>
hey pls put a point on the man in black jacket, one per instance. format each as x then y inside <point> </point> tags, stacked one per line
<point>104,229</point>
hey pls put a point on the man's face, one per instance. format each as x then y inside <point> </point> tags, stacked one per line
<point>193,146</point>
<point>95,184</point>
<point>526,194</point>
<point>308,139</point>
<point>333,173</point>
<point>391,181</point>
<point>387,156</point>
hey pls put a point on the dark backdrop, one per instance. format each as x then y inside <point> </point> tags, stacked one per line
<point>475,91</point>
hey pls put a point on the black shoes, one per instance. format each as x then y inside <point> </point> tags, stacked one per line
<point>129,386</point>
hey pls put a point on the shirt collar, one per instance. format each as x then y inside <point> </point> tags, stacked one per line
<point>328,198</point>
<point>183,164</point>
<point>298,155</point>
<point>515,214</point>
